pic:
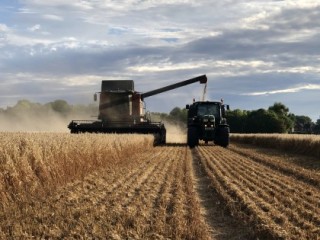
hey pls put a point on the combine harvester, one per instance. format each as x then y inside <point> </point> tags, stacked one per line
<point>122,110</point>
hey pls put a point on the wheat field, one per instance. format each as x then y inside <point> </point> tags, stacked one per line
<point>297,143</point>
<point>34,164</point>
<point>96,186</point>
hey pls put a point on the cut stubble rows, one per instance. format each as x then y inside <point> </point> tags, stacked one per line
<point>122,187</point>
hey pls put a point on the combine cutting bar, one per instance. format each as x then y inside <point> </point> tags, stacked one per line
<point>155,128</point>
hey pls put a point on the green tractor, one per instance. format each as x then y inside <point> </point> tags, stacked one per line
<point>207,122</point>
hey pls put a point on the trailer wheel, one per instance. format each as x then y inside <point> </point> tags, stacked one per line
<point>192,137</point>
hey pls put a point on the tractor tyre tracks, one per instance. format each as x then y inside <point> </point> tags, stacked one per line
<point>223,225</point>
<point>271,196</point>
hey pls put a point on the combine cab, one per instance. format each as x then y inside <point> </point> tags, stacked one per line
<point>121,110</point>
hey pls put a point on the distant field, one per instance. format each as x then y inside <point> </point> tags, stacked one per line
<point>58,185</point>
<point>295,143</point>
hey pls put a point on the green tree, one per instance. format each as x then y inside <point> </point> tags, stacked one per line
<point>263,121</point>
<point>178,114</point>
<point>23,108</point>
<point>282,113</point>
<point>279,108</point>
<point>303,124</point>
<point>316,127</point>
<point>237,120</point>
<point>61,106</point>
<point>175,112</point>
<point>23,105</point>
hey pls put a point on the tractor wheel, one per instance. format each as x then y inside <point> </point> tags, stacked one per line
<point>193,137</point>
<point>222,136</point>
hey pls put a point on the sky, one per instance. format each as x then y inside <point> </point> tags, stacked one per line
<point>254,53</point>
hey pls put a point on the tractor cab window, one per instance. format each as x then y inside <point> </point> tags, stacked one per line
<point>208,109</point>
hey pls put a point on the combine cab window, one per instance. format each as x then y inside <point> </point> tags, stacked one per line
<point>208,109</point>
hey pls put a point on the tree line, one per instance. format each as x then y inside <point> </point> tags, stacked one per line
<point>276,119</point>
<point>58,107</point>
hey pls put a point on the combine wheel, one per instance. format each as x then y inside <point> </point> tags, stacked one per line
<point>74,131</point>
<point>160,138</point>
<point>193,137</point>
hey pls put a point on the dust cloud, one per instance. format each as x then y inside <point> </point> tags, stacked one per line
<point>175,133</point>
<point>48,122</point>
<point>52,121</point>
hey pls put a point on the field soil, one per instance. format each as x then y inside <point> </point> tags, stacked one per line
<point>173,192</point>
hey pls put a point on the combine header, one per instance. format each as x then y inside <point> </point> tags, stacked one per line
<point>122,110</point>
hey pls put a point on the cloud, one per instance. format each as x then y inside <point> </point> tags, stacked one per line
<point>82,4</point>
<point>3,35</point>
<point>34,28</point>
<point>244,47</point>
<point>289,90</point>
<point>3,28</point>
<point>166,67</point>
<point>108,4</point>
<point>53,17</point>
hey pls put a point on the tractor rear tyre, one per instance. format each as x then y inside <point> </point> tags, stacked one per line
<point>192,137</point>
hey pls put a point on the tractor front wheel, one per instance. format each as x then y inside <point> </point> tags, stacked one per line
<point>222,136</point>
<point>192,137</point>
